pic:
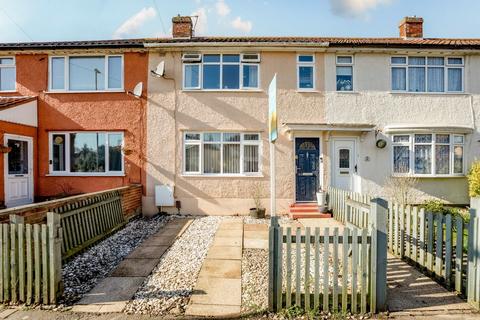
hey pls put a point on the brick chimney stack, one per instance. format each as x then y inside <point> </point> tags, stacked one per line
<point>411,27</point>
<point>182,27</point>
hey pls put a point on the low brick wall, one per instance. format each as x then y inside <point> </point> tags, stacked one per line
<point>37,212</point>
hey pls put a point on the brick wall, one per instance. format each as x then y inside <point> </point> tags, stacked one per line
<point>37,213</point>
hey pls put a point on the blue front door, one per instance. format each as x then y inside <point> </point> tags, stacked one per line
<point>307,153</point>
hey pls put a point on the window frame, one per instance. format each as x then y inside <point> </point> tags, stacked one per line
<point>201,64</point>
<point>445,66</point>
<point>411,144</point>
<point>201,142</point>
<point>66,68</point>
<point>343,64</point>
<point>67,171</point>
<point>13,66</point>
<point>306,64</point>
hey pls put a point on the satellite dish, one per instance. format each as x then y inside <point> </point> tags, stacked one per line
<point>137,91</point>
<point>160,70</point>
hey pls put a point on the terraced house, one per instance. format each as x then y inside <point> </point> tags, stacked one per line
<point>68,124</point>
<point>352,112</point>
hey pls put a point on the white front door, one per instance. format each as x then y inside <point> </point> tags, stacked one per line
<point>344,163</point>
<point>18,170</point>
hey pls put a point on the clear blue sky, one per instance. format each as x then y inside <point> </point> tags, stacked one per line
<point>41,20</point>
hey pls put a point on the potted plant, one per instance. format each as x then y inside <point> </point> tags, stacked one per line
<point>322,200</point>
<point>258,212</point>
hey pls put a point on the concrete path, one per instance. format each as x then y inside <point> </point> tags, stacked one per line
<point>410,292</point>
<point>218,291</point>
<point>112,293</point>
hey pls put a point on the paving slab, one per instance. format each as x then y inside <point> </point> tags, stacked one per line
<point>255,227</point>
<point>112,289</point>
<point>135,267</point>
<point>212,310</point>
<point>160,240</point>
<point>229,242</point>
<point>225,252</point>
<point>217,291</point>
<point>227,269</point>
<point>146,251</point>
<point>227,233</point>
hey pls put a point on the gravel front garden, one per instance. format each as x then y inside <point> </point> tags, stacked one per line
<point>83,272</point>
<point>168,289</point>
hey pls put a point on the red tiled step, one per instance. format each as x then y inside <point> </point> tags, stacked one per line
<point>303,209</point>
<point>305,215</point>
<point>304,204</point>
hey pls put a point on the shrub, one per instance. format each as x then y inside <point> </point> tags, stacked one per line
<point>474,180</point>
<point>439,207</point>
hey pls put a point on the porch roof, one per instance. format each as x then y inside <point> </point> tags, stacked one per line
<point>359,127</point>
<point>413,128</point>
<point>19,110</point>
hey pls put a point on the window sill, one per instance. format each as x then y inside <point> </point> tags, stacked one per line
<point>307,91</point>
<point>120,174</point>
<point>220,90</point>
<point>420,176</point>
<point>186,175</point>
<point>89,91</point>
<point>347,92</point>
<point>8,91</point>
<point>429,93</point>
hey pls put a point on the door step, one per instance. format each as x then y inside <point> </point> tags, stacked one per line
<point>306,210</point>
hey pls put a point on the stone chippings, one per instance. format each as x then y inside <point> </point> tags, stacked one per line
<point>82,273</point>
<point>168,289</point>
<point>254,280</point>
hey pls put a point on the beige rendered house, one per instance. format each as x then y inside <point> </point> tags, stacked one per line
<point>352,112</point>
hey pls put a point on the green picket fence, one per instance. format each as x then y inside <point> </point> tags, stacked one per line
<point>30,262</point>
<point>330,271</point>
<point>444,247</point>
<point>345,213</point>
<point>435,242</point>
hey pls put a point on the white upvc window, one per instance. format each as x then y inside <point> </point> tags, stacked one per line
<point>8,74</point>
<point>306,72</point>
<point>86,73</point>
<point>88,153</point>
<point>430,74</point>
<point>428,154</point>
<point>214,71</point>
<point>221,153</point>
<point>344,73</point>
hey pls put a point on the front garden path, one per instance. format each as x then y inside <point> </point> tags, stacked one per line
<point>113,292</point>
<point>218,291</point>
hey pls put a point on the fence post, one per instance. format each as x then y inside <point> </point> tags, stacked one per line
<point>16,219</point>
<point>54,255</point>
<point>378,231</point>
<point>473,275</point>
<point>273,260</point>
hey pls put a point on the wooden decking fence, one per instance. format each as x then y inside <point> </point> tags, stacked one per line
<point>444,247</point>
<point>330,271</point>
<point>31,255</point>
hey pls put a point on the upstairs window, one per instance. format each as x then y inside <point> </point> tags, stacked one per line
<point>344,73</point>
<point>428,154</point>
<point>7,74</point>
<point>427,74</point>
<point>86,73</point>
<point>306,72</point>
<point>220,71</point>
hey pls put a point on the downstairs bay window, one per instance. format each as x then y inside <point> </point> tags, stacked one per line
<point>221,153</point>
<point>86,153</point>
<point>428,154</point>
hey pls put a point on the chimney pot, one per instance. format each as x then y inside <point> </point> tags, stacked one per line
<point>411,27</point>
<point>182,27</point>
